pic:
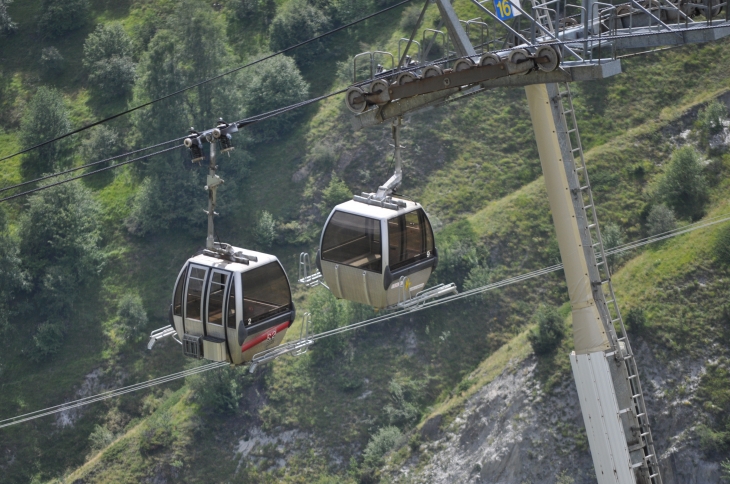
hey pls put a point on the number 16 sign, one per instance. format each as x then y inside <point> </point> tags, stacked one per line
<point>505,9</point>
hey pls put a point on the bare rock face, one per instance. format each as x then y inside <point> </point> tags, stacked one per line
<point>510,432</point>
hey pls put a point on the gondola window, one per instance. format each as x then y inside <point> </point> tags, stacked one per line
<point>265,293</point>
<point>353,240</point>
<point>216,297</point>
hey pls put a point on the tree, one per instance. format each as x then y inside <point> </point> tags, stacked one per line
<point>258,10</point>
<point>103,143</point>
<point>328,313</point>
<point>660,220</point>
<point>721,245</point>
<point>334,193</point>
<point>61,16</point>
<point>296,22</point>
<point>218,390</point>
<point>683,186</point>
<point>7,26</point>
<point>45,118</point>
<point>612,237</point>
<point>265,230</point>
<point>274,84</point>
<point>549,332</point>
<point>131,316</point>
<point>51,61</point>
<point>60,252</point>
<point>13,279</point>
<point>108,60</point>
<point>384,440</point>
<point>710,122</point>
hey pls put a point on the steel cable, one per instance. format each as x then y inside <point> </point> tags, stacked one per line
<point>479,290</point>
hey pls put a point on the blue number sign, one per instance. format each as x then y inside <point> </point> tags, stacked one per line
<point>505,9</point>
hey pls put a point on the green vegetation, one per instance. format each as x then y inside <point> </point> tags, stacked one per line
<point>548,332</point>
<point>7,26</point>
<point>683,185</point>
<point>660,220</point>
<point>370,389</point>
<point>61,16</point>
<point>710,122</point>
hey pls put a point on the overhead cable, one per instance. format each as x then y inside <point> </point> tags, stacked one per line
<point>205,81</point>
<point>429,304</point>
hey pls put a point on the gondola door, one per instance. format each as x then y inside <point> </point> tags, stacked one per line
<point>214,342</point>
<point>197,276</point>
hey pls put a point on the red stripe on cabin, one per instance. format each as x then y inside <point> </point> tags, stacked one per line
<point>266,335</point>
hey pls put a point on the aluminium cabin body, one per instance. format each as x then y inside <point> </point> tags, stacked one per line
<point>226,310</point>
<point>365,249</point>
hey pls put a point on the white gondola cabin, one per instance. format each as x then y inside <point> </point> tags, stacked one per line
<point>230,307</point>
<point>376,255</point>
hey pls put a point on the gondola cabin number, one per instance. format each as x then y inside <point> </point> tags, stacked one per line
<point>505,9</point>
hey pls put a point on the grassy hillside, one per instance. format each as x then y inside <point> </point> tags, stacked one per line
<point>472,163</point>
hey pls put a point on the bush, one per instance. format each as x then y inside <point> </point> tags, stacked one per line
<point>274,84</point>
<point>328,313</point>
<point>636,320</point>
<point>721,245</point>
<point>61,16</point>
<point>218,390</point>
<point>46,117</point>
<point>334,193</point>
<point>13,279</point>
<point>296,22</point>
<point>408,19</point>
<point>725,465</point>
<point>48,340</point>
<point>480,275</point>
<point>108,60</point>
<point>157,435</point>
<point>100,438</point>
<point>7,26</point>
<point>660,220</point>
<point>257,10</point>
<point>103,143</point>
<point>683,186</point>
<point>380,444</point>
<point>402,410</point>
<point>265,230</point>
<point>709,122</point>
<point>549,332</point>
<point>612,237</point>
<point>131,316</point>
<point>51,61</point>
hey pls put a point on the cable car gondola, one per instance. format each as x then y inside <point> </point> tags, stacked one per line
<point>377,255</point>
<point>230,307</point>
<point>228,303</point>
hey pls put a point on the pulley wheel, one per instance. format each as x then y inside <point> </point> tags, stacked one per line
<point>355,100</point>
<point>518,56</point>
<point>552,55</point>
<point>378,85</point>
<point>405,77</point>
<point>489,60</point>
<point>463,64</point>
<point>432,71</point>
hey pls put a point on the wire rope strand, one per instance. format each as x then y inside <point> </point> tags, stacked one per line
<point>51,185</point>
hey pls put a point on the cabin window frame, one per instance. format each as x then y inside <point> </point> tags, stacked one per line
<point>203,291</point>
<point>376,240</point>
<point>224,300</point>
<point>426,236</point>
<point>249,321</point>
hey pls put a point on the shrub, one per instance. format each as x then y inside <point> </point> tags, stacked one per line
<point>709,122</point>
<point>612,237</point>
<point>380,444</point>
<point>12,277</point>
<point>61,16</point>
<point>258,10</point>
<point>636,320</point>
<point>296,22</point>
<point>409,17</point>
<point>265,230</point>
<point>103,143</point>
<point>660,220</point>
<point>108,60</point>
<point>131,315</point>
<point>479,275</point>
<point>274,84</point>
<point>46,117</point>
<point>549,331</point>
<point>328,313</point>
<point>721,245</point>
<point>100,438</point>
<point>48,340</point>
<point>157,435</point>
<point>334,193</point>
<point>7,26</point>
<point>725,465</point>
<point>683,186</point>
<point>218,390</point>
<point>51,61</point>
<point>402,410</point>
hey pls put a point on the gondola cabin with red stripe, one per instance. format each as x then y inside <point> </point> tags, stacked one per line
<point>229,305</point>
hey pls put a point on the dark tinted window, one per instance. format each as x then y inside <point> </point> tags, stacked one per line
<point>177,299</point>
<point>410,239</point>
<point>265,292</point>
<point>195,293</point>
<point>354,241</point>
<point>232,306</point>
<point>216,297</point>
